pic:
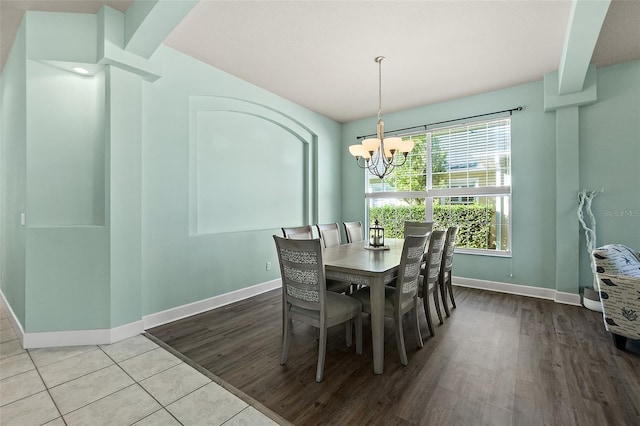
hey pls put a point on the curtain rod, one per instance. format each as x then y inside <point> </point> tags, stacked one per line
<point>424,126</point>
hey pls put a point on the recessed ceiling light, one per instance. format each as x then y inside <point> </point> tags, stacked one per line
<point>80,70</point>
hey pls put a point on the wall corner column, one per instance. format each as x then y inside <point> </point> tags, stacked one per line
<point>567,187</point>
<point>567,110</point>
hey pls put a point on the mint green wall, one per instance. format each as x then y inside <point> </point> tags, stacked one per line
<point>218,207</point>
<point>74,38</point>
<point>567,187</point>
<point>124,118</point>
<point>136,15</point>
<point>67,245</point>
<point>67,279</point>
<point>74,166</point>
<point>225,165</point>
<point>609,154</point>
<point>13,175</point>
<point>610,159</point>
<point>65,148</point>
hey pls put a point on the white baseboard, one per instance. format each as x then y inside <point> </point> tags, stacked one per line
<point>108,336</point>
<point>112,335</point>
<point>104,336</point>
<point>13,319</point>
<point>200,306</point>
<point>521,290</point>
<point>568,298</point>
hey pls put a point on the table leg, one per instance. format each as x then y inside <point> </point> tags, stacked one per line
<point>377,323</point>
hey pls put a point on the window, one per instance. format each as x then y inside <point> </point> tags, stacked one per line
<point>459,175</point>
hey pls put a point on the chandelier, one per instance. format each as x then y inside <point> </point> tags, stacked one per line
<point>379,153</point>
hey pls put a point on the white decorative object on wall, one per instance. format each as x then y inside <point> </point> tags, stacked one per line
<point>585,198</point>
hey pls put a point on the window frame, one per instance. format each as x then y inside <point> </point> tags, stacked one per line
<point>430,193</point>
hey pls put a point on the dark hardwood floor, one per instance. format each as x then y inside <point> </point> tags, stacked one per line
<point>498,360</point>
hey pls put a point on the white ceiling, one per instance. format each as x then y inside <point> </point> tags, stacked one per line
<point>319,54</point>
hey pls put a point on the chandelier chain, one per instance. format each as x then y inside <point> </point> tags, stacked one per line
<point>379,89</point>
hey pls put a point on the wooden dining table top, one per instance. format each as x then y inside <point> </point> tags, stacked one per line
<point>354,257</point>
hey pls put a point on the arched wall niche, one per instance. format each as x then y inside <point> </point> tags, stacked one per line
<point>251,168</point>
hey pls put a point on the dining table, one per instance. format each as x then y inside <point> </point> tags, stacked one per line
<point>360,264</point>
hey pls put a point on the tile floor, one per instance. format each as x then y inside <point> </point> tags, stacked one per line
<point>132,382</point>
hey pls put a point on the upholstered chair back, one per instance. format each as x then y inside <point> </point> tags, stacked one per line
<point>302,272</point>
<point>298,232</point>
<point>409,270</point>
<point>353,231</point>
<point>617,268</point>
<point>329,234</point>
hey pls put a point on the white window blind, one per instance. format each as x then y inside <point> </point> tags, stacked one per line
<point>472,156</point>
<point>458,175</point>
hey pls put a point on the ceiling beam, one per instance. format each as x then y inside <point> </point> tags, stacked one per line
<point>149,22</point>
<point>585,23</point>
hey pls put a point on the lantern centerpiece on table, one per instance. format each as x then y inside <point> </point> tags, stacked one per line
<point>376,234</point>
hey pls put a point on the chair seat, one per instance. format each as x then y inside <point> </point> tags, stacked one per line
<point>364,296</point>
<point>339,307</point>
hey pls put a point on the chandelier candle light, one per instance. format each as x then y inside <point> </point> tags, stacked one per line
<point>379,153</point>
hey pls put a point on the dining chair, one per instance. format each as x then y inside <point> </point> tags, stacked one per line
<point>444,279</point>
<point>298,232</point>
<point>353,231</point>
<point>417,228</point>
<point>329,234</point>
<point>330,237</point>
<point>307,300</point>
<point>403,297</point>
<point>429,275</point>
